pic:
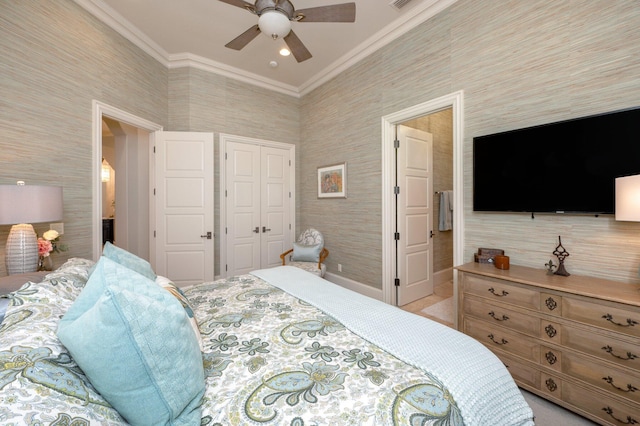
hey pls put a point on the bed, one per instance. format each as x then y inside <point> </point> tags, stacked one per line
<point>277,347</point>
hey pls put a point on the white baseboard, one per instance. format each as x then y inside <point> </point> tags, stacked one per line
<point>356,286</point>
<point>443,276</point>
<point>439,278</point>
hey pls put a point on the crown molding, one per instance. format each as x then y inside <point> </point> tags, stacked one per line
<point>407,22</point>
<point>113,19</point>
<point>182,60</point>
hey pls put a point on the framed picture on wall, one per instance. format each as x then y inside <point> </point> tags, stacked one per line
<point>332,181</point>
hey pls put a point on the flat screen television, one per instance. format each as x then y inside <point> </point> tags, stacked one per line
<point>564,167</point>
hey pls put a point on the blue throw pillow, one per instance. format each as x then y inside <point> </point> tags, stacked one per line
<point>304,253</point>
<point>129,260</point>
<point>134,342</point>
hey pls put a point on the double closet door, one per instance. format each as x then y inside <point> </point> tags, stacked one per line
<point>258,203</point>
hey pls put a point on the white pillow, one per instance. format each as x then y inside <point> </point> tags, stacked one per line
<point>168,285</point>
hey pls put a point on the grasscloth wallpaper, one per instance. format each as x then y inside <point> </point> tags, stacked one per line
<point>55,60</point>
<point>519,63</point>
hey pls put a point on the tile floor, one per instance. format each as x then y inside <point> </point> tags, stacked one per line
<point>440,292</point>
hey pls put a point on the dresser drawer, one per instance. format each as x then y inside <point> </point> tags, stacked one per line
<point>617,382</point>
<point>551,385</point>
<point>551,304</point>
<point>500,290</point>
<point>502,316</point>
<point>550,357</point>
<point>608,409</point>
<point>502,339</point>
<point>521,372</point>
<point>610,349</point>
<point>626,321</point>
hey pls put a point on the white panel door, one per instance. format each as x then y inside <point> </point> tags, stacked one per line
<point>243,229</point>
<point>275,205</point>
<point>414,209</point>
<point>184,167</point>
<point>258,206</point>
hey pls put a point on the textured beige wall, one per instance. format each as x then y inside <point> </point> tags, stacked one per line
<point>56,58</point>
<point>520,63</point>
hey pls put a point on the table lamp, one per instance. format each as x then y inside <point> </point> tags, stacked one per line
<point>628,198</point>
<point>21,205</point>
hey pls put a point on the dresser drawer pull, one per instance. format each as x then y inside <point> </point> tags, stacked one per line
<point>551,304</point>
<point>630,388</point>
<point>492,291</point>
<point>609,350</point>
<point>630,322</point>
<point>551,331</point>
<point>501,342</point>
<point>551,358</point>
<point>551,385</point>
<point>493,315</point>
<point>630,420</point>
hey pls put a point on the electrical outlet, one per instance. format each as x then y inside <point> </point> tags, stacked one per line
<point>57,227</point>
<point>339,267</point>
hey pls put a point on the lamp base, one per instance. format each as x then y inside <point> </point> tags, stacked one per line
<point>21,255</point>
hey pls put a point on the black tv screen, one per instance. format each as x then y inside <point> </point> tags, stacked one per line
<point>564,167</point>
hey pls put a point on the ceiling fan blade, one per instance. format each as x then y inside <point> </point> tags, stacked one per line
<point>241,3</point>
<point>243,39</point>
<point>300,52</point>
<point>345,12</point>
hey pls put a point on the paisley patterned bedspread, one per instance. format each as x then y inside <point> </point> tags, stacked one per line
<point>271,358</point>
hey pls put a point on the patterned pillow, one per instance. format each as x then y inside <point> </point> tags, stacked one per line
<point>166,283</point>
<point>134,342</point>
<point>129,260</point>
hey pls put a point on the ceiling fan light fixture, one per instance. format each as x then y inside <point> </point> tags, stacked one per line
<point>274,24</point>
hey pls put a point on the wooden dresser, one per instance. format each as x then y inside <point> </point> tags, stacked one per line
<point>572,340</point>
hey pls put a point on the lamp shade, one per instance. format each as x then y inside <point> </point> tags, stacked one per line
<point>30,204</point>
<point>274,24</point>
<point>628,198</point>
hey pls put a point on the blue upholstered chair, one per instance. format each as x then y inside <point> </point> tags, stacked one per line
<point>308,253</point>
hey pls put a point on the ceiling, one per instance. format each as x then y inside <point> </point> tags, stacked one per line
<point>194,33</point>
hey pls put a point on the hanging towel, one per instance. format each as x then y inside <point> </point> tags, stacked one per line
<point>446,211</point>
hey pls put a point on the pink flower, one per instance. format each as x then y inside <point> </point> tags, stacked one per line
<point>44,247</point>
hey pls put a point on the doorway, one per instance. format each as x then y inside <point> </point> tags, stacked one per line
<point>133,173</point>
<point>453,101</point>
<point>414,207</point>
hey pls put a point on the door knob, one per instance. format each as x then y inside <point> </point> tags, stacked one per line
<point>265,229</point>
<point>207,235</point>
<point>257,230</point>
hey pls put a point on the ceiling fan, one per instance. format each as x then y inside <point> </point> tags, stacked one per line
<point>275,17</point>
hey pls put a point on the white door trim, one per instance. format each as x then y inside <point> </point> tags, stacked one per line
<point>101,110</point>
<point>224,139</point>
<point>454,101</point>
